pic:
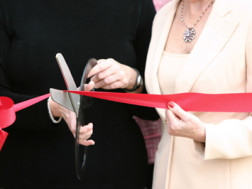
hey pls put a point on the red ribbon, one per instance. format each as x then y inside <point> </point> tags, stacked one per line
<point>199,102</point>
<point>8,113</point>
<point>3,136</point>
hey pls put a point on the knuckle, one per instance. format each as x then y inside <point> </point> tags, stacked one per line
<point>189,119</point>
<point>110,59</point>
<point>112,86</point>
<point>99,76</point>
<point>117,67</point>
<point>169,130</point>
<point>121,72</point>
<point>101,66</point>
<point>173,128</point>
<point>110,62</point>
<point>125,81</point>
<point>107,80</point>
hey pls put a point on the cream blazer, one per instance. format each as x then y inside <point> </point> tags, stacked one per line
<point>220,62</point>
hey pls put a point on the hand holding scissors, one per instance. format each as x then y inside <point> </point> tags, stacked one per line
<point>72,108</point>
<point>70,118</point>
<point>110,74</point>
<point>66,105</point>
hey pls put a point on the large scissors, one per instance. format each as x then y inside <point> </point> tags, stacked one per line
<point>75,103</point>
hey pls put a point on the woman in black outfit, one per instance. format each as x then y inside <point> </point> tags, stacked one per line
<point>39,153</point>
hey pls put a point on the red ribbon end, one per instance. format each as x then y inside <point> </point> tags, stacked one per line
<point>3,136</point>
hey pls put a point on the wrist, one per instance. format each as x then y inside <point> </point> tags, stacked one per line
<point>138,82</point>
<point>53,119</point>
<point>200,135</point>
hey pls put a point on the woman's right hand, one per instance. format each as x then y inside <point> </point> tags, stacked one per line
<point>70,118</point>
<point>109,74</point>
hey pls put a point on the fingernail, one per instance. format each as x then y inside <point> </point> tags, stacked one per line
<point>170,104</point>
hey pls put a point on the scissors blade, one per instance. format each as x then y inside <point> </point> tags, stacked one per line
<point>70,84</point>
<point>68,78</point>
<point>61,98</point>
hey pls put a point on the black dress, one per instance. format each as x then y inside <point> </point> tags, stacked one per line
<point>40,154</point>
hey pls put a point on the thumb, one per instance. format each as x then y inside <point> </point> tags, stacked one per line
<point>89,86</point>
<point>177,110</point>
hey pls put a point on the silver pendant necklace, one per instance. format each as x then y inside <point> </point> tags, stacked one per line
<point>190,32</point>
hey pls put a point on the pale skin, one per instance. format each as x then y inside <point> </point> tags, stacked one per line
<point>184,124</point>
<point>192,10</point>
<point>180,122</point>
<point>107,74</point>
<point>110,74</point>
<point>70,118</point>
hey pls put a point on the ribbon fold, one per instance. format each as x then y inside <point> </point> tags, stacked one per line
<point>8,113</point>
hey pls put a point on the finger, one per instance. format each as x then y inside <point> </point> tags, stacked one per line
<point>170,121</point>
<point>85,129</point>
<point>114,85</point>
<point>87,142</point>
<point>103,75</point>
<point>177,110</point>
<point>112,68</point>
<point>70,119</point>
<point>83,140</point>
<point>170,117</point>
<point>89,86</point>
<point>100,60</point>
<point>85,134</point>
<point>109,81</point>
<point>101,66</point>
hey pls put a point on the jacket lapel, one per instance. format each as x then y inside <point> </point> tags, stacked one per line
<point>159,37</point>
<point>158,41</point>
<point>219,28</point>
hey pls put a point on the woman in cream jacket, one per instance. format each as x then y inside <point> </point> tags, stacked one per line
<point>202,150</point>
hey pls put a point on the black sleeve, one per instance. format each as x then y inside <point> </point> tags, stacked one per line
<point>34,117</point>
<point>146,15</point>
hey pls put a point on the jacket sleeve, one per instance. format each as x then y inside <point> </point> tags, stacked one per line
<point>232,138</point>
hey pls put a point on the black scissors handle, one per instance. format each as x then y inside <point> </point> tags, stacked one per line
<point>81,151</point>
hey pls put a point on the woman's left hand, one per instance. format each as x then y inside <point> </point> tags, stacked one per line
<point>110,74</point>
<point>70,119</point>
<point>184,124</point>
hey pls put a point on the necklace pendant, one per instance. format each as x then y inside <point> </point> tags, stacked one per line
<point>189,35</point>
